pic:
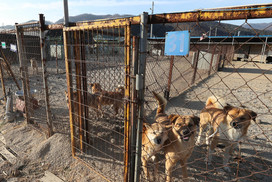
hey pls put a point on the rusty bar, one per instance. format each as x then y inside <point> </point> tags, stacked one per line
<point>23,68</point>
<point>57,64</point>
<point>233,13</point>
<point>105,23</point>
<point>78,86</point>
<point>45,75</point>
<point>85,89</point>
<point>28,23</point>
<point>167,91</point>
<point>211,63</point>
<point>195,63</point>
<point>127,105</point>
<point>9,70</point>
<point>133,122</point>
<point>2,80</point>
<point>68,67</point>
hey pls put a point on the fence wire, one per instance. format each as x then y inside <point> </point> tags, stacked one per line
<point>226,61</point>
<point>97,80</point>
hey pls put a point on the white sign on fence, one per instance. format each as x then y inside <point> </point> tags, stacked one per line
<point>13,48</point>
<point>3,45</point>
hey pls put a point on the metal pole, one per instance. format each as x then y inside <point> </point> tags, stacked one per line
<point>45,85</point>
<point>167,91</point>
<point>151,26</point>
<point>23,69</point>
<point>66,13</point>
<point>135,52</point>
<point>140,87</point>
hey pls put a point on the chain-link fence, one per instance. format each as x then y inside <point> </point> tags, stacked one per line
<point>227,60</point>
<point>108,93</point>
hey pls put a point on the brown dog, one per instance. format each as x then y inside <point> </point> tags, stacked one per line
<point>34,65</point>
<point>180,143</point>
<point>109,98</point>
<point>154,136</point>
<point>91,99</point>
<point>227,126</point>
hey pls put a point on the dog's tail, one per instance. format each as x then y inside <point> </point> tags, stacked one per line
<point>161,103</point>
<point>215,102</point>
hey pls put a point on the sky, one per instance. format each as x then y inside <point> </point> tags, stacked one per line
<point>20,11</point>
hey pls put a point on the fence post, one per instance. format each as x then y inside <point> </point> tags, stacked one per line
<point>195,63</point>
<point>2,80</point>
<point>23,70</point>
<point>85,90</point>
<point>44,72</point>
<point>68,67</point>
<point>167,91</point>
<point>140,80</point>
<point>135,51</point>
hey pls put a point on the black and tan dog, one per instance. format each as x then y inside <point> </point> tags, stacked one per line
<point>179,135</point>
<point>227,125</point>
<point>109,98</point>
<point>180,143</point>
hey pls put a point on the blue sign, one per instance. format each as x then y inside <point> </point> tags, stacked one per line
<point>177,43</point>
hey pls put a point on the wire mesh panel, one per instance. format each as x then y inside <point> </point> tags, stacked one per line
<point>96,70</point>
<point>33,103</point>
<point>227,60</point>
<point>9,62</point>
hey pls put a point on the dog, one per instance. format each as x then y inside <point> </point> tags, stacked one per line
<point>225,125</point>
<point>92,101</point>
<point>109,98</point>
<point>153,137</point>
<point>34,65</point>
<point>180,143</point>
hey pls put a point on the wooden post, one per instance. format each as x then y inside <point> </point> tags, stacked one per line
<point>195,63</point>
<point>45,75</point>
<point>2,81</point>
<point>167,91</point>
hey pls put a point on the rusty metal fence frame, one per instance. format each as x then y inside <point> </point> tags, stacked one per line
<point>135,69</point>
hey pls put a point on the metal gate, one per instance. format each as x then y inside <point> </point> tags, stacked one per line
<point>99,71</point>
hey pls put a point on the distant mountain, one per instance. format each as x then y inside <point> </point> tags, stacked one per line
<point>259,26</point>
<point>84,17</point>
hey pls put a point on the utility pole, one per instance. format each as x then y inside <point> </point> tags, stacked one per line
<point>66,13</point>
<point>151,27</point>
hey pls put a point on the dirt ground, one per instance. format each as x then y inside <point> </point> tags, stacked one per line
<point>243,83</point>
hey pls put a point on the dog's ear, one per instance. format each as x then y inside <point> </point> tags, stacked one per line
<point>227,108</point>
<point>196,120</point>
<point>252,114</point>
<point>173,118</point>
<point>146,126</point>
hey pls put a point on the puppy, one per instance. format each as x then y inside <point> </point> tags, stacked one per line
<point>227,125</point>
<point>109,98</point>
<point>92,101</point>
<point>34,65</point>
<point>153,137</point>
<point>180,143</point>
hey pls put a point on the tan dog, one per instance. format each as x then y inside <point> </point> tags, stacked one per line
<point>91,99</point>
<point>109,98</point>
<point>226,125</point>
<point>153,137</point>
<point>34,65</point>
<point>180,143</point>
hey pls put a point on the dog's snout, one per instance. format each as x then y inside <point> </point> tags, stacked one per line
<point>234,124</point>
<point>158,140</point>
<point>186,132</point>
